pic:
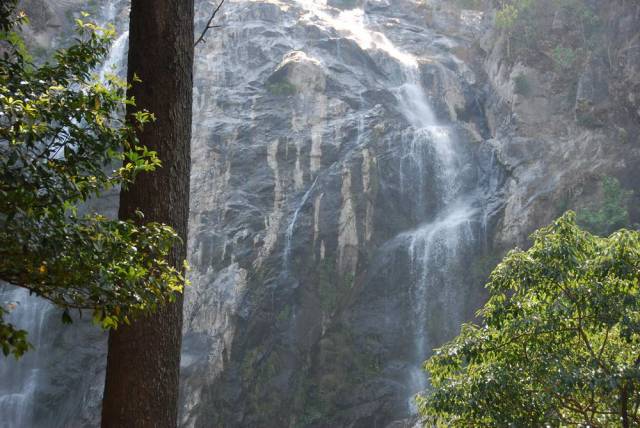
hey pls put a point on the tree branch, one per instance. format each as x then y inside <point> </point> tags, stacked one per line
<point>209,26</point>
<point>59,300</point>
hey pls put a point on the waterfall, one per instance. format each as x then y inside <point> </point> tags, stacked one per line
<point>286,264</point>
<point>435,245</point>
<point>430,160</point>
<point>20,377</point>
<point>413,202</point>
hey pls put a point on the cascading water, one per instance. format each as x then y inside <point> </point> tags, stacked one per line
<point>429,161</point>
<point>434,245</point>
<point>291,228</point>
<point>20,378</point>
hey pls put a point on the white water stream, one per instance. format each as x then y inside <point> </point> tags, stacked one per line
<point>291,228</point>
<point>20,377</point>
<point>430,143</point>
<point>434,244</point>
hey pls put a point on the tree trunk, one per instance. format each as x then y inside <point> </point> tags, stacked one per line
<point>143,363</point>
<point>624,406</point>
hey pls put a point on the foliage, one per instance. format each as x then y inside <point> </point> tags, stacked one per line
<point>8,15</point>
<point>12,340</point>
<point>469,4</point>
<point>525,24</point>
<point>60,132</point>
<point>283,89</point>
<point>580,16</point>
<point>512,12</point>
<point>623,135</point>
<point>514,18</point>
<point>612,212</point>
<point>560,339</point>
<point>507,17</point>
<point>564,57</point>
<point>522,86</point>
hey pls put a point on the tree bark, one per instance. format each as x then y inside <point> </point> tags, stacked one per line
<point>143,363</point>
<point>624,406</point>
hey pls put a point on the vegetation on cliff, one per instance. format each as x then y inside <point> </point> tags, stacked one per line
<point>611,213</point>
<point>575,27</point>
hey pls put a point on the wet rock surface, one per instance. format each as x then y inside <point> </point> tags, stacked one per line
<point>312,179</point>
<point>358,169</point>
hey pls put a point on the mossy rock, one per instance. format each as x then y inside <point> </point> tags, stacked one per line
<point>345,4</point>
<point>588,116</point>
<point>282,88</point>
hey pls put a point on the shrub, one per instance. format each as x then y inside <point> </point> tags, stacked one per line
<point>282,88</point>
<point>522,85</point>
<point>564,57</point>
<point>611,213</point>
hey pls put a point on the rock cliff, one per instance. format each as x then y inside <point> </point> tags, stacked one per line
<point>359,167</point>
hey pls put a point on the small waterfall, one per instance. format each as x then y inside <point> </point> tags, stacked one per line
<point>20,377</point>
<point>286,262</point>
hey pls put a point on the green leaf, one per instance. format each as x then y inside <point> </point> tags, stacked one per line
<point>62,137</point>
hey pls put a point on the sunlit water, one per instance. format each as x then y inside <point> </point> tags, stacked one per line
<point>428,144</point>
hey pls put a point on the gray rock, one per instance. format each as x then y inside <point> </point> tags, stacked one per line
<point>355,176</point>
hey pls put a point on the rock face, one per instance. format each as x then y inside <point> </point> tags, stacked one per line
<point>339,211</point>
<point>571,126</point>
<point>359,167</point>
